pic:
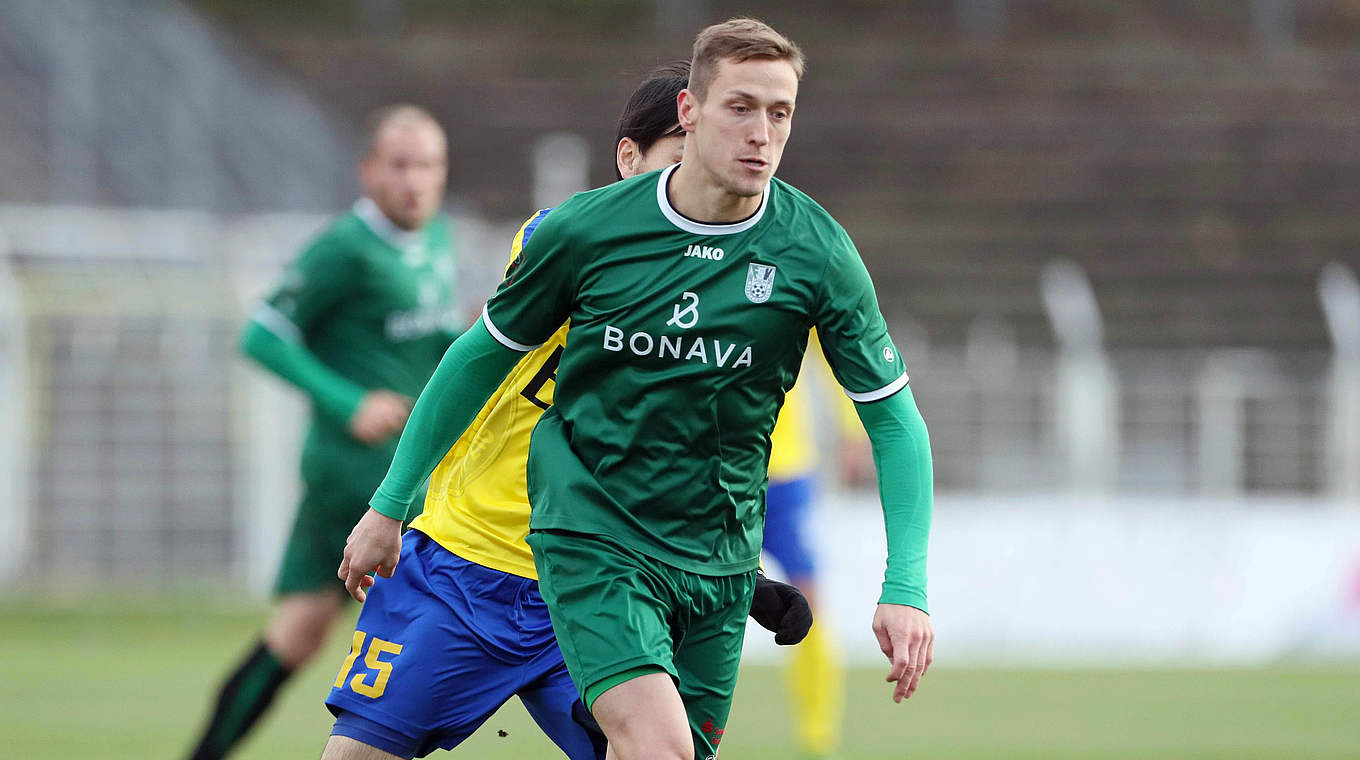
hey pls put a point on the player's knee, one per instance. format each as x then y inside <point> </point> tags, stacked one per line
<point>301,626</point>
<point>295,645</point>
<point>303,648</point>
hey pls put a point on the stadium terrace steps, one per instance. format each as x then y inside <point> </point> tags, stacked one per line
<point>1201,185</point>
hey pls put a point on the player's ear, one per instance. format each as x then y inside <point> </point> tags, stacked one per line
<point>365,171</point>
<point>627,157</point>
<point>686,104</point>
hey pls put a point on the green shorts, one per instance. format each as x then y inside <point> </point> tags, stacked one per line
<point>339,477</point>
<point>616,611</point>
<point>317,543</point>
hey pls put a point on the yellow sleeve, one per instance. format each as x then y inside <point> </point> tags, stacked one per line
<point>477,505</point>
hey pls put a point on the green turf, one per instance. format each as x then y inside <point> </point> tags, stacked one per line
<point>131,679</point>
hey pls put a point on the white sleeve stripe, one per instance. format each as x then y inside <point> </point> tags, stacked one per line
<point>500,336</point>
<point>272,319</point>
<point>881,393</point>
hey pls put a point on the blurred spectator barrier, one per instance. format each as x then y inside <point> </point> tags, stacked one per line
<point>1340,295</point>
<point>139,449</point>
<point>1117,580</point>
<point>14,438</point>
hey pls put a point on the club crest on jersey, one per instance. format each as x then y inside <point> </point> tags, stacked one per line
<point>759,283</point>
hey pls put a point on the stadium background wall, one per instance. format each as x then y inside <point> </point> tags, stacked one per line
<point>1116,244</point>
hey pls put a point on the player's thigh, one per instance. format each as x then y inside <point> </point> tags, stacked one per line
<point>345,748</point>
<point>707,658</point>
<point>644,717</point>
<point>787,504</point>
<point>611,607</point>
<point>419,674</point>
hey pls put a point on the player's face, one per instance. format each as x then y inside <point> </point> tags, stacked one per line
<point>739,129</point>
<point>406,171</point>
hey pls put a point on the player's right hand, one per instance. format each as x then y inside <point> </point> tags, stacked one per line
<point>374,544</point>
<point>381,415</point>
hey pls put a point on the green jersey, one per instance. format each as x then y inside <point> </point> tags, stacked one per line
<point>375,305</point>
<point>684,339</point>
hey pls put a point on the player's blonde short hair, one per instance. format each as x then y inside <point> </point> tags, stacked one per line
<point>738,39</point>
<point>392,115</point>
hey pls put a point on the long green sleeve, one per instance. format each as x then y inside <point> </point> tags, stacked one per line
<point>469,373</point>
<point>332,393</point>
<point>906,489</point>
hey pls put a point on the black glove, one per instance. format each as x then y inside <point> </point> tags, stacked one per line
<point>781,608</point>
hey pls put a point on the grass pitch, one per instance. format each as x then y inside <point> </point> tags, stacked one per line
<point>133,679</point>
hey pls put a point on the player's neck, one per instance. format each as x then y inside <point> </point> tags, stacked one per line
<point>377,220</point>
<point>695,194</point>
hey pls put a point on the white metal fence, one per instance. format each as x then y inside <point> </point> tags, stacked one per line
<point>136,447</point>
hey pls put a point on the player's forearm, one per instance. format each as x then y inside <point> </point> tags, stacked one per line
<point>906,489</point>
<point>331,392</point>
<point>469,373</point>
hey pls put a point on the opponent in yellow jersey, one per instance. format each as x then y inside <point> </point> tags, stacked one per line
<point>478,504</point>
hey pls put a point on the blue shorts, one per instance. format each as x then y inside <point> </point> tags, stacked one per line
<point>440,646</point>
<point>786,510</point>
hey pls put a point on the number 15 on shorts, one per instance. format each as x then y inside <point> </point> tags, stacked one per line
<point>373,660</point>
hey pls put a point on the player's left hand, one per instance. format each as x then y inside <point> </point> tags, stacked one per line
<point>906,636</point>
<point>781,608</point>
<point>373,545</point>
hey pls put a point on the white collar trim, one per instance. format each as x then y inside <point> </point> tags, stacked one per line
<point>373,217</point>
<point>699,228</point>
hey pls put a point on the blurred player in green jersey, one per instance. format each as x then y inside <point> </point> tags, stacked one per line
<point>358,322</point>
<point>690,293</point>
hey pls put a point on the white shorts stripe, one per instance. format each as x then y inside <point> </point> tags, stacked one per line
<point>500,336</point>
<point>881,393</point>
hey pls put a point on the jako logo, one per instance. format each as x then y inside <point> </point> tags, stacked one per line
<point>704,252</point>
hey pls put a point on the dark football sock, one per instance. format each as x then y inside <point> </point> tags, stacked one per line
<point>243,699</point>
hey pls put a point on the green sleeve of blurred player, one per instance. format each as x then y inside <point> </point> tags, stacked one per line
<point>313,284</point>
<point>330,392</point>
<point>906,488</point>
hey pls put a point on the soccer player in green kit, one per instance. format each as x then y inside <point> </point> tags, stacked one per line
<point>691,292</point>
<point>358,322</point>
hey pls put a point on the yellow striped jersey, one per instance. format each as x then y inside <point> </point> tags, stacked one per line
<point>793,443</point>
<point>477,505</point>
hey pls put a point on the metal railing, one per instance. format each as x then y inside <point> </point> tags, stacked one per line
<point>136,440</point>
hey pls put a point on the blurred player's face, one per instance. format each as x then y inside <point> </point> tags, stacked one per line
<point>738,131</point>
<point>664,152</point>
<point>405,172</point>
